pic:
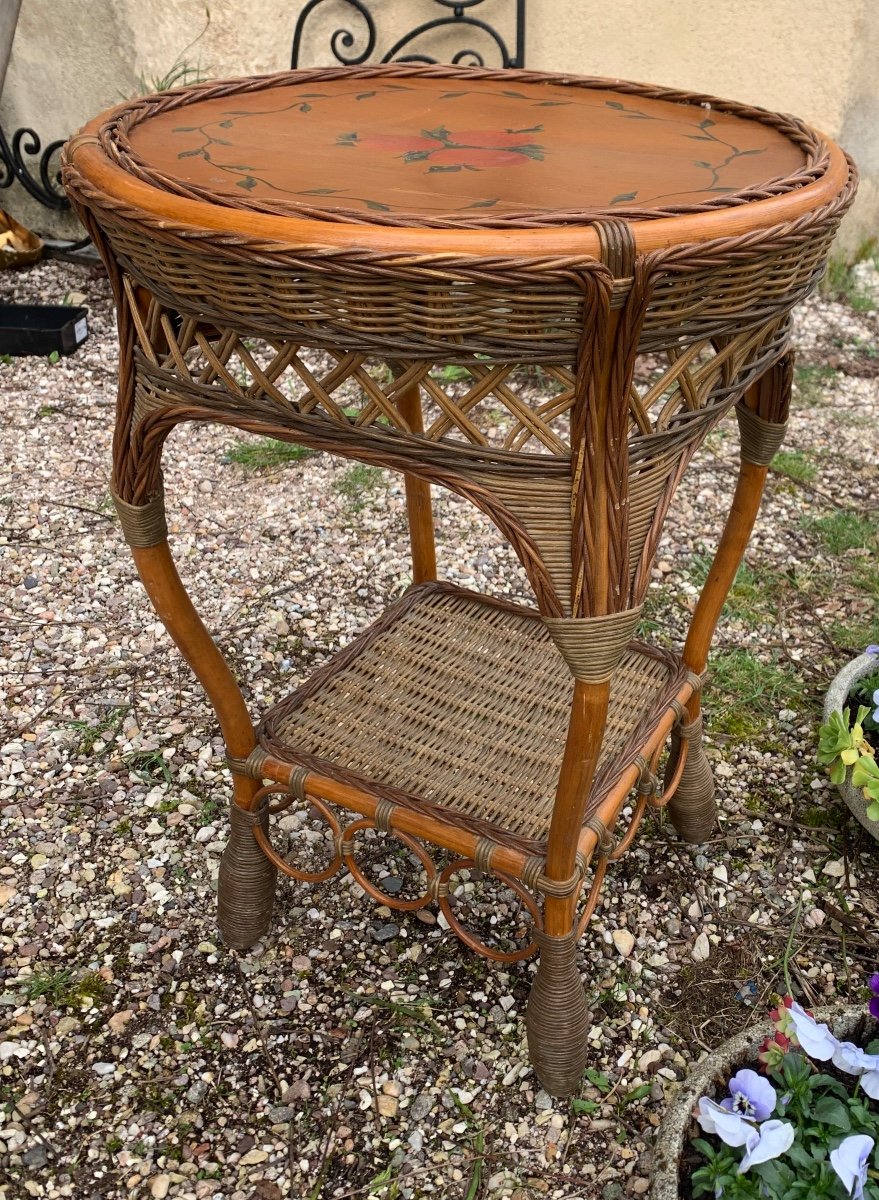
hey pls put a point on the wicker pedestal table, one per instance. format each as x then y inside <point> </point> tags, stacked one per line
<point>278,245</point>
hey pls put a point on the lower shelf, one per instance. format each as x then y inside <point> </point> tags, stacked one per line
<point>458,704</point>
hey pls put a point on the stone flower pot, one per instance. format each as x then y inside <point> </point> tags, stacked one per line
<point>837,695</point>
<point>709,1078</point>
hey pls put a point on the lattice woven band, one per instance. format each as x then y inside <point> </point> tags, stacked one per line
<point>761,439</point>
<point>143,524</point>
<point>593,646</point>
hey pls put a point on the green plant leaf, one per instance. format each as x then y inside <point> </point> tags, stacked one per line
<point>830,1111</point>
<point>598,1079</point>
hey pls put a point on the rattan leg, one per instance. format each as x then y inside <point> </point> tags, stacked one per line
<point>246,892</point>
<point>692,808</point>
<point>557,1018</point>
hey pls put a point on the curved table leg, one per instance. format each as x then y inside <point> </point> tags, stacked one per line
<point>557,1016</point>
<point>247,878</point>
<point>762,416</point>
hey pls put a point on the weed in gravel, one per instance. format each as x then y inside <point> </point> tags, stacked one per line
<point>743,689</point>
<point>356,483</point>
<point>843,530</point>
<point>149,765</point>
<point>795,465</point>
<point>842,283</point>
<point>266,453</point>
<point>89,735</point>
<point>811,383</point>
<point>62,989</point>
<point>752,597</point>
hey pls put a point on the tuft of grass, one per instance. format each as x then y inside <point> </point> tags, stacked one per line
<point>795,465</point>
<point>62,989</point>
<point>106,728</point>
<point>150,765</point>
<point>841,282</point>
<point>266,453</point>
<point>752,597</point>
<point>744,689</point>
<point>357,482</point>
<point>811,383</point>
<point>182,72</point>
<point>451,373</point>
<point>843,530</point>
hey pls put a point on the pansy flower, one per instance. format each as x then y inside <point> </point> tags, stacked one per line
<point>849,1161</point>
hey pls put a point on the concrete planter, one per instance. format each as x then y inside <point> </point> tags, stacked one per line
<point>709,1078</point>
<point>837,695</point>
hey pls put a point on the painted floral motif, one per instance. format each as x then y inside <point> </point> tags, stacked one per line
<point>441,151</point>
<point>446,149</point>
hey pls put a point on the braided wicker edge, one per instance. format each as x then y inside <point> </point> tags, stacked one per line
<point>114,140</point>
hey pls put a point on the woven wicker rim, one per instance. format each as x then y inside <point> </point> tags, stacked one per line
<point>102,154</point>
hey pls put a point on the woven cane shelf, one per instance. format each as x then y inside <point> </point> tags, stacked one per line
<point>540,292</point>
<point>458,702</point>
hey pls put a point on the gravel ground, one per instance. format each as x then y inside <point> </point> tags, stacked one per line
<point>358,1053</point>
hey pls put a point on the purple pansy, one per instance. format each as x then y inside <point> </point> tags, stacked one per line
<point>769,1140</point>
<point>876,702</point>
<point>874,999</point>
<point>872,649</point>
<point>750,1095</point>
<point>849,1161</point>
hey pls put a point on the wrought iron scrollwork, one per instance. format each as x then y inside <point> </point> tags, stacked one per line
<point>458,16</point>
<point>42,180</point>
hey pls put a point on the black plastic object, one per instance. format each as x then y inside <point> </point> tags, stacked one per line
<point>42,328</point>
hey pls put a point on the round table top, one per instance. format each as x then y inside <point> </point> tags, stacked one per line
<point>417,149</point>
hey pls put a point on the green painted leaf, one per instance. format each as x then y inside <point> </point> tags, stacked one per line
<point>438,170</point>
<point>186,129</point>
<point>374,204</point>
<point>226,124</point>
<point>698,137</point>
<point>452,95</point>
<point>615,104</point>
<point>440,134</point>
<point>553,103</point>
<point>247,183</point>
<point>698,162</point>
<point>529,129</point>
<point>707,123</point>
<point>193,153</point>
<point>624,196</point>
<point>364,95</point>
<point>514,95</point>
<point>416,155</point>
<point>305,108</point>
<point>319,192</point>
<point>745,153</point>
<point>484,203</point>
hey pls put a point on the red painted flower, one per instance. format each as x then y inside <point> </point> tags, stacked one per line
<point>443,151</point>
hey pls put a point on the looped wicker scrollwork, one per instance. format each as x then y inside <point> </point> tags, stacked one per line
<point>469,938</point>
<point>279,861</point>
<point>377,894</point>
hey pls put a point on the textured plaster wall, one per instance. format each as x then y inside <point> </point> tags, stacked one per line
<point>816,58</point>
